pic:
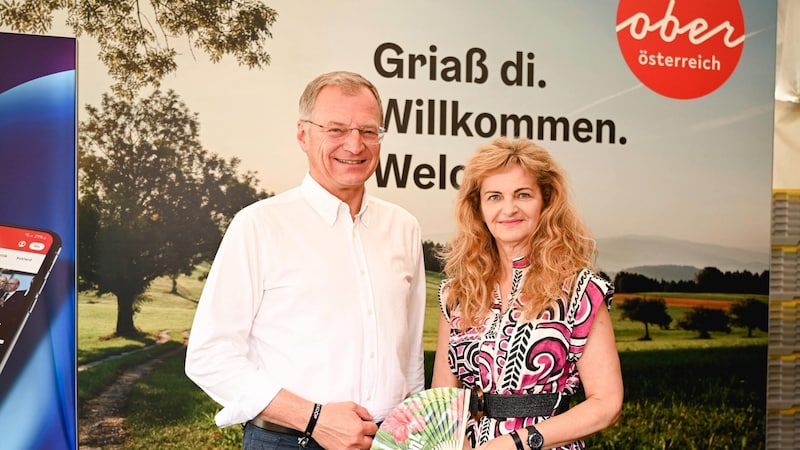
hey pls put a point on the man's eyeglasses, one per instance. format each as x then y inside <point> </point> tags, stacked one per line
<point>370,135</point>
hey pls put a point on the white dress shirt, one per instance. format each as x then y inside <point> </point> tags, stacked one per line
<point>301,296</point>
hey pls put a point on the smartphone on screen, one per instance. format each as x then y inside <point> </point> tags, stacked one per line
<point>26,257</point>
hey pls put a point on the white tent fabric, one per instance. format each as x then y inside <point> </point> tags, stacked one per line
<point>782,398</point>
<point>786,162</point>
<point>787,82</point>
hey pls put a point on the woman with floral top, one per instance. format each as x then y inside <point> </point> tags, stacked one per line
<point>525,320</point>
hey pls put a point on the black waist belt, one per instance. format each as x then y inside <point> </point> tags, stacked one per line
<point>502,406</point>
<point>274,427</point>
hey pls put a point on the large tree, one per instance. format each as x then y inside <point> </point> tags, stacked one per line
<point>648,311</point>
<point>704,320</point>
<point>750,313</point>
<point>136,37</point>
<point>131,229</point>
<point>152,202</point>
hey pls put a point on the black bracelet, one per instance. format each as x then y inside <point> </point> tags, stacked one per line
<point>517,440</point>
<point>312,422</point>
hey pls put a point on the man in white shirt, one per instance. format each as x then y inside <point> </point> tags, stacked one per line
<point>322,336</point>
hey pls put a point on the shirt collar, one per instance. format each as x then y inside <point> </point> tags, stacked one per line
<point>327,205</point>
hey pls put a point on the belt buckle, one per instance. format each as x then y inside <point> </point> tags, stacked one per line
<point>477,403</point>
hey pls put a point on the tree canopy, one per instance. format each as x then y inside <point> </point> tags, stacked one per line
<point>152,202</point>
<point>430,253</point>
<point>704,320</point>
<point>648,311</point>
<point>751,314</point>
<point>136,38</point>
<point>708,279</point>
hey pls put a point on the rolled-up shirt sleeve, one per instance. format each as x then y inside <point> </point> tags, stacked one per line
<point>217,354</point>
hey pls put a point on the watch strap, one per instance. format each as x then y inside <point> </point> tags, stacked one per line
<point>517,440</point>
<point>535,438</point>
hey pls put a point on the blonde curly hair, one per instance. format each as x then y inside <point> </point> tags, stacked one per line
<point>558,249</point>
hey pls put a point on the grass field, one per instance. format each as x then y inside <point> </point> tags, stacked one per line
<point>681,392</point>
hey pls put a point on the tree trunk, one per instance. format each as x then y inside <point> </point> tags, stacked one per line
<point>174,285</point>
<point>125,316</point>
<point>646,336</point>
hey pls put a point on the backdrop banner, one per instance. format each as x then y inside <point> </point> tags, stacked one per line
<point>661,112</point>
<point>38,186</point>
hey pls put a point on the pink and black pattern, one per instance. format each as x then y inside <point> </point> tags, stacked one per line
<point>508,356</point>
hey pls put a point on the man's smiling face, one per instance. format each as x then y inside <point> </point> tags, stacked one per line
<point>341,166</point>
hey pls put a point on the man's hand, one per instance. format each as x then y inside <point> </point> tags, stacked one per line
<point>345,425</point>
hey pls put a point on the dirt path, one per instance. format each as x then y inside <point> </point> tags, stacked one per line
<point>100,423</point>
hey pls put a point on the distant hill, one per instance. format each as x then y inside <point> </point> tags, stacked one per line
<point>666,272</point>
<point>664,256</point>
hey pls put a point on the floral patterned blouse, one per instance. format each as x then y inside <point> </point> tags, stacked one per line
<point>507,356</point>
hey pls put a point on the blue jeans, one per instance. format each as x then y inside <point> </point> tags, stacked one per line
<point>257,439</point>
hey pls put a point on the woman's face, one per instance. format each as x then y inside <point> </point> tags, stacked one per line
<point>511,203</point>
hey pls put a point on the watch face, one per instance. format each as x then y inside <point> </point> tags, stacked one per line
<point>535,439</point>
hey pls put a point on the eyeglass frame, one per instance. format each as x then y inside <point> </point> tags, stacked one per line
<point>326,129</point>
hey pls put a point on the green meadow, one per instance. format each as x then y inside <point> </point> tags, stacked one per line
<point>680,392</point>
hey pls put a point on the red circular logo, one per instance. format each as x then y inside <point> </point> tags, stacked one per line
<point>681,49</point>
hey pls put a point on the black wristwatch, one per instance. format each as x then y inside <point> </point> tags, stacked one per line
<point>535,439</point>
